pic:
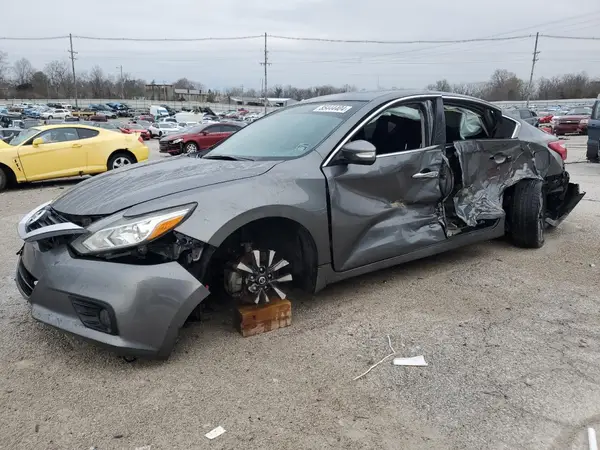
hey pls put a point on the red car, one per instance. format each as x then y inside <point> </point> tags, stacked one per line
<point>136,128</point>
<point>569,123</point>
<point>197,138</point>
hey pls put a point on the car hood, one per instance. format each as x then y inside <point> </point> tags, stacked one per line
<point>575,117</point>
<point>123,188</point>
<point>176,135</point>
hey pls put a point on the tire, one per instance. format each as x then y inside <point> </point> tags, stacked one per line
<point>119,160</point>
<point>50,117</point>
<point>190,147</point>
<point>3,179</point>
<point>160,134</point>
<point>527,214</point>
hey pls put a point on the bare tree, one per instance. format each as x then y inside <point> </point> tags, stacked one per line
<point>3,66</point>
<point>23,71</point>
<point>97,82</point>
<point>59,78</point>
<point>440,85</point>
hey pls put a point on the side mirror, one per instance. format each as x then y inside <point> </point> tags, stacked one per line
<point>37,141</point>
<point>204,133</point>
<point>359,152</point>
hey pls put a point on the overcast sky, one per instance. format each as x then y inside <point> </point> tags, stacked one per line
<point>236,63</point>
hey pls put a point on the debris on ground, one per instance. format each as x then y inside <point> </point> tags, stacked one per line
<point>418,361</point>
<point>215,433</point>
<point>384,359</point>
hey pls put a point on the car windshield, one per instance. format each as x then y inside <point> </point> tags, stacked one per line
<point>167,125</point>
<point>579,112</point>
<point>24,136</point>
<point>288,133</point>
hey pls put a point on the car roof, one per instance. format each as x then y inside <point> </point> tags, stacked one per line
<point>64,125</point>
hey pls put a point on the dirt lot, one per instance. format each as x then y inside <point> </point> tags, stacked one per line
<point>511,338</point>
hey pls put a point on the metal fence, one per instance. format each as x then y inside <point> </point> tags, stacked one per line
<point>139,103</point>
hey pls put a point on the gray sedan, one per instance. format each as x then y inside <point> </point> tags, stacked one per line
<point>314,193</point>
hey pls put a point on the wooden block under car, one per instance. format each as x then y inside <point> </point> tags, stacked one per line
<point>251,319</point>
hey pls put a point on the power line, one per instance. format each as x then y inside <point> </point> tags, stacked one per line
<point>47,38</point>
<point>367,41</point>
<point>578,38</point>
<point>228,38</point>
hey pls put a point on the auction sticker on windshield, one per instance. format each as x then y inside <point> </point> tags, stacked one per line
<point>340,109</point>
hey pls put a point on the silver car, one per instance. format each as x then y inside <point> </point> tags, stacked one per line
<point>314,193</point>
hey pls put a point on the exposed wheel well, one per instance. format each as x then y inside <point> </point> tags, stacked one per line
<point>121,151</point>
<point>278,233</point>
<point>12,178</point>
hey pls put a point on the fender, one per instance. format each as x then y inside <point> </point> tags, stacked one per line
<point>9,157</point>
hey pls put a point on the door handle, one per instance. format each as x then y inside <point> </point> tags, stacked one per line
<point>500,158</point>
<point>76,145</point>
<point>429,174</point>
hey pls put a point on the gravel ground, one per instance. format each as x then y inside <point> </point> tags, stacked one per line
<point>511,337</point>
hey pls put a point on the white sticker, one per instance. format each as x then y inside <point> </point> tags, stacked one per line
<point>340,109</point>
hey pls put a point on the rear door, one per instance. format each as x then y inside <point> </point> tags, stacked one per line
<point>488,164</point>
<point>392,207</point>
<point>593,152</point>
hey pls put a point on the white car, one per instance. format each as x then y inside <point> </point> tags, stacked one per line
<point>163,129</point>
<point>167,119</point>
<point>55,114</point>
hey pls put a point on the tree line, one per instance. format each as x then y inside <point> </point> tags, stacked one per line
<point>505,85</point>
<point>55,80</point>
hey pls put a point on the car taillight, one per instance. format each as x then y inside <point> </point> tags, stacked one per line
<point>142,139</point>
<point>559,148</point>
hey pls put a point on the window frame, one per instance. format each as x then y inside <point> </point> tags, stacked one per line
<point>428,101</point>
<point>87,129</point>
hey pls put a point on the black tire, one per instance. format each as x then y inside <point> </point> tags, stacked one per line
<point>119,160</point>
<point>160,134</point>
<point>3,179</point>
<point>527,214</point>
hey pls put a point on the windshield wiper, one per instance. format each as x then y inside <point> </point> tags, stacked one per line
<point>227,158</point>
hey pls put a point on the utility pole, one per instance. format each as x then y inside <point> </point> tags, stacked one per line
<point>122,82</point>
<point>265,63</point>
<point>73,67</point>
<point>535,58</point>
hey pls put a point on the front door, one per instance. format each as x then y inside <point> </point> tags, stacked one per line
<point>60,155</point>
<point>593,153</point>
<point>392,207</point>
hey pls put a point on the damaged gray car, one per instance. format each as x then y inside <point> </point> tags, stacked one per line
<point>314,193</point>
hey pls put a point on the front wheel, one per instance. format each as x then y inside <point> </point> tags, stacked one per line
<point>527,214</point>
<point>190,147</point>
<point>160,134</point>
<point>256,276</point>
<point>120,160</point>
<point>50,117</point>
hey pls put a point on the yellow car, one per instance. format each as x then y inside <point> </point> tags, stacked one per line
<point>66,150</point>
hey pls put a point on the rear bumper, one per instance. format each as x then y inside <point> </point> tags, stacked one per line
<point>572,196</point>
<point>148,304</point>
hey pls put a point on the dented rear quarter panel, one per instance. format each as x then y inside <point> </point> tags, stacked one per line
<point>491,166</point>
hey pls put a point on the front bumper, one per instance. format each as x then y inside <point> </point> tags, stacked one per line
<point>564,128</point>
<point>169,147</point>
<point>149,303</point>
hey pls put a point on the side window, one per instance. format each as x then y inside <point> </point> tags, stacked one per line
<point>59,135</point>
<point>596,111</point>
<point>86,133</point>
<point>525,114</point>
<point>229,128</point>
<point>463,124</point>
<point>213,129</point>
<point>397,129</point>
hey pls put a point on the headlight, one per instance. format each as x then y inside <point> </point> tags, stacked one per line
<point>134,231</point>
<point>584,121</point>
<point>177,141</point>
